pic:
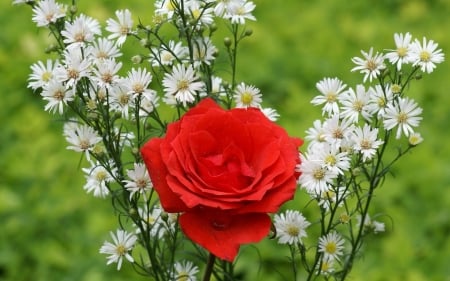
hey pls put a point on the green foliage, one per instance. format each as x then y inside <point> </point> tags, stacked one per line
<point>52,230</point>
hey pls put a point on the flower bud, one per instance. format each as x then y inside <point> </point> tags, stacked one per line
<point>418,76</point>
<point>51,48</point>
<point>137,59</point>
<point>133,213</point>
<point>145,42</point>
<point>135,151</point>
<point>248,32</point>
<point>213,27</point>
<point>414,139</point>
<point>73,9</point>
<point>227,41</point>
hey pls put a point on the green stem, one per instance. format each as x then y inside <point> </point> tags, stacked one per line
<point>209,267</point>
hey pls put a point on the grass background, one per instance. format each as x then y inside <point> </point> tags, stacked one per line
<point>51,230</point>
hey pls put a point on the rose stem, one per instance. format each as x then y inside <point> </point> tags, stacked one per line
<point>209,267</point>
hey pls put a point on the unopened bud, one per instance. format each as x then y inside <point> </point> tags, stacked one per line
<point>137,59</point>
<point>145,42</point>
<point>227,41</point>
<point>248,32</point>
<point>51,48</point>
<point>73,9</point>
<point>135,151</point>
<point>418,76</point>
<point>213,27</point>
<point>133,213</point>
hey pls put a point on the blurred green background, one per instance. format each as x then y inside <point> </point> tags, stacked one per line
<point>51,230</point>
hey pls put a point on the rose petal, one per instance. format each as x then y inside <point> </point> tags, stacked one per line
<point>221,233</point>
<point>158,172</point>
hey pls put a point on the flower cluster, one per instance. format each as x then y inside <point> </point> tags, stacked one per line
<point>205,180</point>
<point>347,158</point>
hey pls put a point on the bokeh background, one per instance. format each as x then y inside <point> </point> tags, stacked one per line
<point>51,230</point>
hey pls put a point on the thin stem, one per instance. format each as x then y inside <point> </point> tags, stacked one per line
<point>209,267</point>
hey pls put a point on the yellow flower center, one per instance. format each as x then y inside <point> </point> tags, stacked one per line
<point>58,95</point>
<point>138,88</point>
<point>319,174</point>
<point>121,250</point>
<point>358,105</point>
<point>246,98</point>
<point>72,73</point>
<point>183,85</point>
<point>183,276</point>
<point>396,88</point>
<point>101,175</point>
<point>330,160</point>
<point>371,65</point>
<point>46,76</point>
<point>331,247</point>
<point>402,51</point>
<point>365,144</point>
<point>331,97</point>
<point>425,56</point>
<point>293,230</point>
<point>402,117</point>
<point>338,134</point>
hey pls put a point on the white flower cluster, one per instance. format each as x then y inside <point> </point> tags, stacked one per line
<point>344,161</point>
<point>358,120</point>
<point>117,108</point>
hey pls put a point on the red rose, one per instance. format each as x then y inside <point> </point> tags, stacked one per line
<point>223,170</point>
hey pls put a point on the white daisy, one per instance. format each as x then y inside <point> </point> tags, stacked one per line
<point>336,131</point>
<point>315,135</point>
<point>147,105</point>
<point>182,85</point>
<point>75,67</point>
<point>247,96</point>
<point>201,14</point>
<point>123,243</point>
<point>82,138</point>
<point>103,49</point>
<point>371,65</point>
<point>121,28</point>
<point>47,12</point>
<point>81,30</point>
<point>325,267</point>
<point>222,6</point>
<point>331,246</point>
<point>185,271</point>
<point>330,89</point>
<point>239,11</point>
<point>139,180</point>
<point>270,113</point>
<point>380,97</point>
<point>315,177</point>
<point>97,178</point>
<point>166,8</point>
<point>156,222</point>
<point>405,114</point>
<point>290,227</point>
<point>415,139</point>
<point>331,157</point>
<point>331,196</point>
<point>370,225</point>
<point>121,100</point>
<point>57,96</point>
<point>168,54</point>
<point>137,82</point>
<point>365,141</point>
<point>42,74</point>
<point>426,55</point>
<point>105,73</point>
<point>355,103</point>
<point>203,51</point>
<point>401,54</point>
